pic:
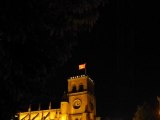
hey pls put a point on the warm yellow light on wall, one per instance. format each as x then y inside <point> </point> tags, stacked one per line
<point>63,117</point>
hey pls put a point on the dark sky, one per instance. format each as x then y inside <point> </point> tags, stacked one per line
<point>122,56</point>
<point>121,51</point>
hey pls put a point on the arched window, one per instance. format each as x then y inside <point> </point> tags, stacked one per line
<point>74,88</point>
<point>81,87</point>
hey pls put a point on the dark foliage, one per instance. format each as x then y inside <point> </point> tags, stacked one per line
<point>145,112</point>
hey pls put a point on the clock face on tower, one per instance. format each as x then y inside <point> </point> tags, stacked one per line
<point>77,103</point>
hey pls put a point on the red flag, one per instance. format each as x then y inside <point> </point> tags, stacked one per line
<point>82,66</point>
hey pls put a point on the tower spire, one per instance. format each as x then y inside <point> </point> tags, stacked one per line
<point>49,105</point>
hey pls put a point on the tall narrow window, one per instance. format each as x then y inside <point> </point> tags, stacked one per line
<point>74,88</point>
<point>81,87</point>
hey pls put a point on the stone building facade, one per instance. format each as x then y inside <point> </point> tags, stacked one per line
<point>78,103</point>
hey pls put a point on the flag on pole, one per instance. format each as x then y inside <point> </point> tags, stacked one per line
<point>82,66</point>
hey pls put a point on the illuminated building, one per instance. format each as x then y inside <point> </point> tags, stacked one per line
<point>77,104</point>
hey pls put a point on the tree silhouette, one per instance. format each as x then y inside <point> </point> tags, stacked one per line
<point>144,112</point>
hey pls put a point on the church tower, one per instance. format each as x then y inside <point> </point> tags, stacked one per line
<point>78,103</point>
<point>82,103</point>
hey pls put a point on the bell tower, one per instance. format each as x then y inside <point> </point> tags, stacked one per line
<point>82,103</point>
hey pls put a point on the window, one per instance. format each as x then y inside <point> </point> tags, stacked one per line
<point>74,88</point>
<point>81,87</point>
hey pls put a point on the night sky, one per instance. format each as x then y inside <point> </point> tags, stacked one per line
<point>122,56</point>
<point>121,53</point>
